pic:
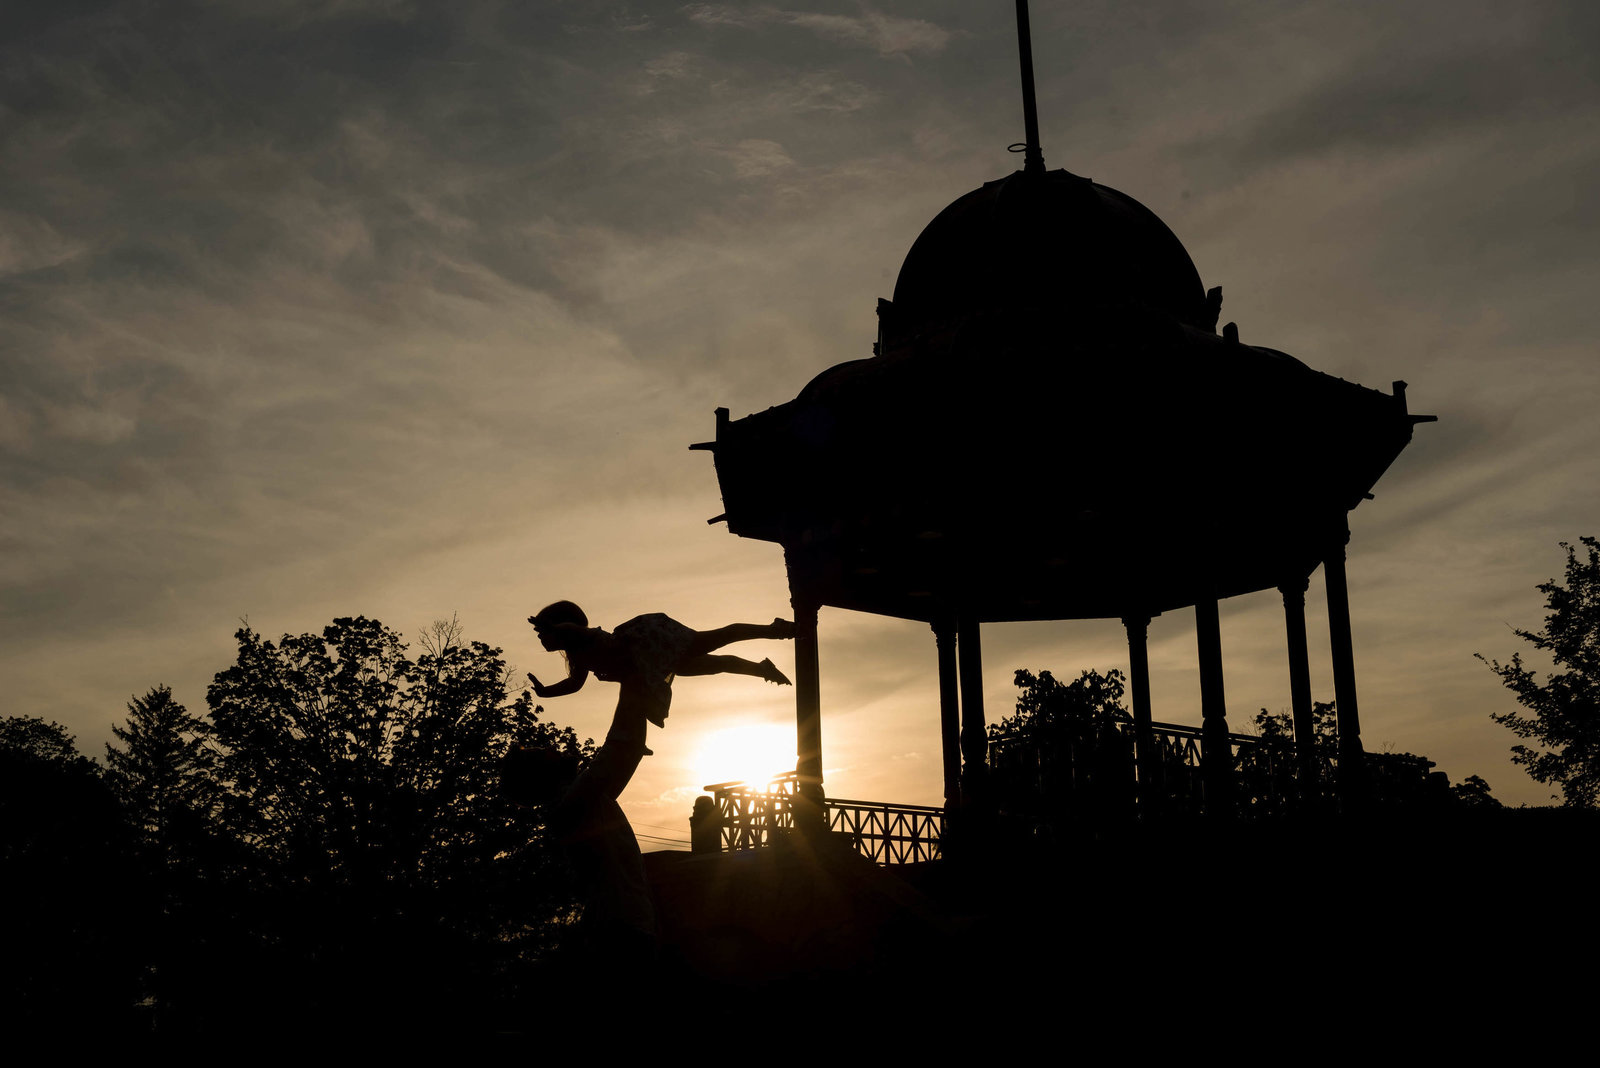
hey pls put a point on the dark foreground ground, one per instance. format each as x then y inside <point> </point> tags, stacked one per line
<point>1309,934</point>
<point>1278,943</point>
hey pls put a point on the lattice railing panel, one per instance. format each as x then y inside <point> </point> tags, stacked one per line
<point>752,817</point>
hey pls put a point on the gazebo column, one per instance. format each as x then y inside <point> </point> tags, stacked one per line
<point>974,734</point>
<point>1352,760</point>
<point>1216,752</point>
<point>944,636</point>
<point>808,713</point>
<point>1305,730</point>
<point>1144,736</point>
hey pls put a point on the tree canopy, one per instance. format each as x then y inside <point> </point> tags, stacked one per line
<point>1092,700</point>
<point>1060,762</point>
<point>51,796</point>
<point>350,762</point>
<point>1562,712</point>
<point>361,792</point>
<point>332,846</point>
<point>31,738</point>
<point>64,856</point>
<point>1277,728</point>
<point>165,769</point>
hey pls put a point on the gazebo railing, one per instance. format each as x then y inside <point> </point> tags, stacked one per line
<point>1065,776</point>
<point>888,834</point>
<point>1079,772</point>
<point>750,817</point>
<point>1263,774</point>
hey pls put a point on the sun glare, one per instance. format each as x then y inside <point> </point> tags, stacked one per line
<point>751,754</point>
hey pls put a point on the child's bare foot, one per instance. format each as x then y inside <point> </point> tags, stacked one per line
<point>782,628</point>
<point>770,672</point>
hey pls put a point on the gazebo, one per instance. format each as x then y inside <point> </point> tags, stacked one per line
<point>1050,427</point>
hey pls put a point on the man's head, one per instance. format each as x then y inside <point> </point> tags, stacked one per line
<point>536,776</point>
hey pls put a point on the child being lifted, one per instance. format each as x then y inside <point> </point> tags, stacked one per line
<point>644,654</point>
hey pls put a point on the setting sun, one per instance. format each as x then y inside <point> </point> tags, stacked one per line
<point>751,754</point>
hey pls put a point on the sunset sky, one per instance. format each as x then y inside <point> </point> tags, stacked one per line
<point>312,309</point>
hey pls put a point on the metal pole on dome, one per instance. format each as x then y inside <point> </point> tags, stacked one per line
<point>1033,160</point>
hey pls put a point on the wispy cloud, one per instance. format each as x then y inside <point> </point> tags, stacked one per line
<point>823,92</point>
<point>888,35</point>
<point>755,158</point>
<point>29,243</point>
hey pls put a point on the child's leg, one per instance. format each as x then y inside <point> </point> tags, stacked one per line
<point>706,664</point>
<point>706,641</point>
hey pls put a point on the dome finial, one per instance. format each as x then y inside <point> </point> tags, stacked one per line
<point>1033,160</point>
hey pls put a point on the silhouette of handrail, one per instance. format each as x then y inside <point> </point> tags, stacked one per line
<point>1089,771</point>
<point>751,817</point>
<point>1050,777</point>
<point>1079,770</point>
<point>887,833</point>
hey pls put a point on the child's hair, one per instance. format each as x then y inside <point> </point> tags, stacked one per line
<point>565,614</point>
<point>552,615</point>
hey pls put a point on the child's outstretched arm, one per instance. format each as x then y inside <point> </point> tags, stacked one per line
<point>571,684</point>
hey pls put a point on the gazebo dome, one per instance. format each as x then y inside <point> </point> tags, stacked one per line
<point>1051,240</point>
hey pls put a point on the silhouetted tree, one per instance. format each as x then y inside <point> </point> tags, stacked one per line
<point>1395,778</point>
<point>165,771</point>
<point>1473,792</point>
<point>30,738</point>
<point>1061,759</point>
<point>1092,699</point>
<point>165,774</point>
<point>1269,773</point>
<point>352,763</point>
<point>46,786</point>
<point>367,780</point>
<point>1277,728</point>
<point>1563,711</point>
<point>65,866</point>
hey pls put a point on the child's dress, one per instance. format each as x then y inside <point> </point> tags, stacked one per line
<point>649,650</point>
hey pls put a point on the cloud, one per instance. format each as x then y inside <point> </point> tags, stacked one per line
<point>822,92</point>
<point>1387,105</point>
<point>724,15</point>
<point>1415,78</point>
<point>29,243</point>
<point>888,35</point>
<point>672,65</point>
<point>755,158</point>
<point>96,426</point>
<point>678,795</point>
<point>16,426</point>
